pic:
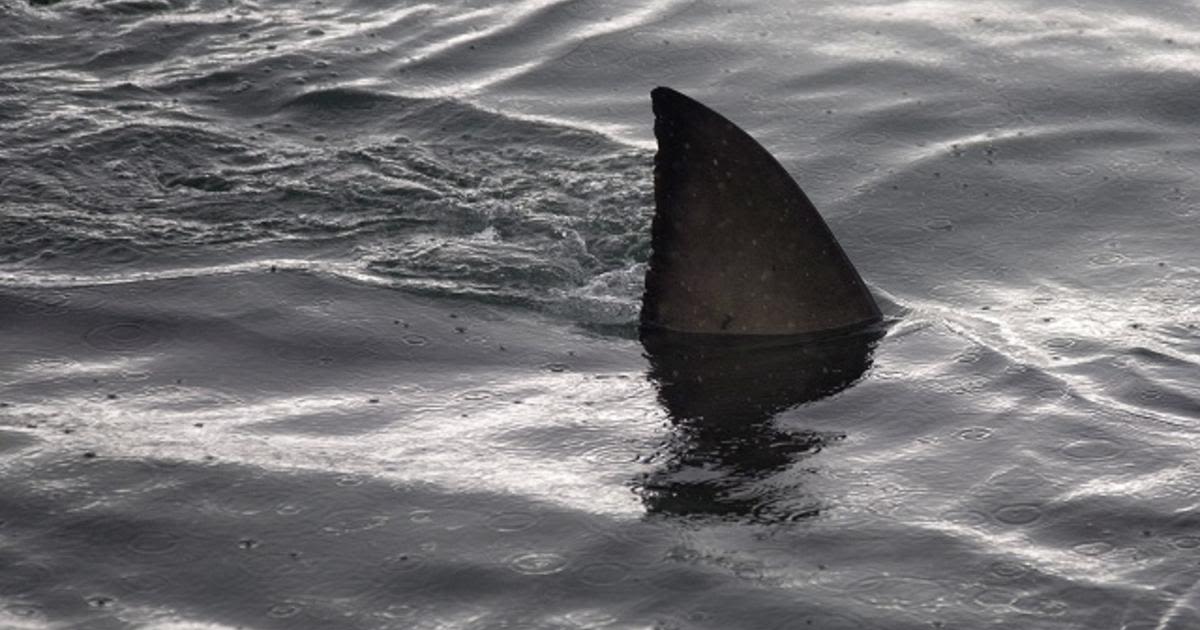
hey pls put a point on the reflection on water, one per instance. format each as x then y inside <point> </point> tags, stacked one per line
<point>722,394</point>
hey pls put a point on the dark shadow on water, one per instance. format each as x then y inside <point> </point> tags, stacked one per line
<point>722,394</point>
<point>229,545</point>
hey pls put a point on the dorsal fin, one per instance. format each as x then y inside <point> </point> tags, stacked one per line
<point>737,247</point>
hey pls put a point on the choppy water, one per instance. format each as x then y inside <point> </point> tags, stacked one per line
<point>317,315</point>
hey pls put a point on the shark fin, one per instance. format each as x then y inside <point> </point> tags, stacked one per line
<point>737,247</point>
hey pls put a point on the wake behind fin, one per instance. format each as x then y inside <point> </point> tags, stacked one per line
<point>737,247</point>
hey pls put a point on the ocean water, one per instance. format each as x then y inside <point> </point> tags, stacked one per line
<point>322,314</point>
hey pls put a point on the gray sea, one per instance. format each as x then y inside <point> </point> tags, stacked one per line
<point>322,314</point>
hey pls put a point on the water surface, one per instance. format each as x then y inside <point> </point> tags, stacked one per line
<point>321,315</point>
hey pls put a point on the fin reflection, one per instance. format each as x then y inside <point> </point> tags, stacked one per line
<point>722,394</point>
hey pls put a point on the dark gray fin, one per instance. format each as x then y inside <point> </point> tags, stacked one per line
<point>737,247</point>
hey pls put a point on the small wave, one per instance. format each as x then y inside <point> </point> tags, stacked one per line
<point>340,99</point>
<point>113,7</point>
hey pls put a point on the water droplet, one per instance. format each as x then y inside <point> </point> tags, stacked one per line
<point>538,563</point>
<point>405,562</point>
<point>24,611</point>
<point>970,518</point>
<point>352,520</point>
<point>940,224</point>
<point>1051,393</point>
<point>1018,513</point>
<point>590,618</point>
<point>284,610</point>
<point>1186,542</point>
<point>122,337</point>
<point>1077,170</point>
<point>1097,548</point>
<point>288,509</point>
<point>100,601</point>
<point>1041,204</point>
<point>995,597</point>
<point>603,573</point>
<point>975,433</point>
<point>1059,343</point>
<point>610,453</point>
<point>1107,258</point>
<point>1008,569</point>
<point>1092,450</point>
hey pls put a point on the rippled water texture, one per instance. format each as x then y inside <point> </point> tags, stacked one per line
<point>319,315</point>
